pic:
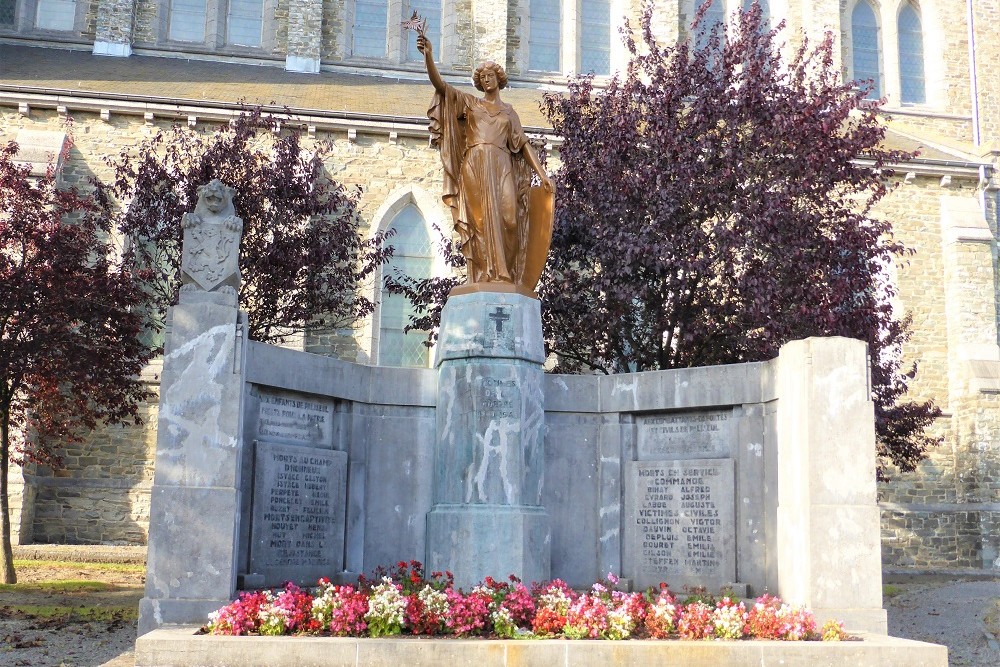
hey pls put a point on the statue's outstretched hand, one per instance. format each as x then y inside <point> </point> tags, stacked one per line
<point>548,184</point>
<point>424,45</point>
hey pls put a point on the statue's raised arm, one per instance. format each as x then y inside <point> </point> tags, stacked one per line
<point>504,225</point>
<point>424,46</point>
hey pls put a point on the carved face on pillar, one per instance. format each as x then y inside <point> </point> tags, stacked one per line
<point>215,197</point>
<point>215,201</point>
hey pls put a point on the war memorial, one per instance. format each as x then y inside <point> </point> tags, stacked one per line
<point>276,465</point>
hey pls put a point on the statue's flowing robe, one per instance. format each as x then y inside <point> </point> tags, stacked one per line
<point>486,182</point>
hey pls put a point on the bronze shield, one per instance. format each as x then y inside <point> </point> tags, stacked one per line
<point>541,212</point>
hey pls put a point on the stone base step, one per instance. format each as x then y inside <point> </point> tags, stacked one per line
<point>179,647</point>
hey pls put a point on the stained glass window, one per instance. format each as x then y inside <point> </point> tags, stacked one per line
<point>246,22</point>
<point>430,10</point>
<point>412,256</point>
<point>865,42</point>
<point>595,36</point>
<point>7,12</point>
<point>545,36</point>
<point>187,20</point>
<point>370,21</point>
<point>911,56</point>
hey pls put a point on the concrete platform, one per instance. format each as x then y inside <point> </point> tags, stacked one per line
<point>179,647</point>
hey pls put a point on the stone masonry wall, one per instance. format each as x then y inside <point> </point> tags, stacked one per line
<point>987,18</point>
<point>305,18</point>
<point>147,21</point>
<point>333,30</point>
<point>114,21</point>
<point>102,493</point>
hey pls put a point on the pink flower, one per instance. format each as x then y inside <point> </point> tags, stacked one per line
<point>696,621</point>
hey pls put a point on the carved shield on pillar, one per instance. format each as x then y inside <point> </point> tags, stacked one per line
<point>210,255</point>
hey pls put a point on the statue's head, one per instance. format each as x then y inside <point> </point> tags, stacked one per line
<point>497,69</point>
<point>215,196</point>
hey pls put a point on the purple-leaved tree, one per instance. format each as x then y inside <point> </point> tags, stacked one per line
<point>715,202</point>
<point>302,256</point>
<point>70,319</point>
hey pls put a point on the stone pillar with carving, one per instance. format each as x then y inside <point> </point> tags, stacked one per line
<point>487,518</point>
<point>192,558</point>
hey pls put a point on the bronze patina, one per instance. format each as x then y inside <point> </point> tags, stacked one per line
<point>503,224</point>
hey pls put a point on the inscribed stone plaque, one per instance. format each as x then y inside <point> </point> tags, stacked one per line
<point>686,435</point>
<point>499,398</point>
<point>294,418</point>
<point>679,525</point>
<point>299,498</point>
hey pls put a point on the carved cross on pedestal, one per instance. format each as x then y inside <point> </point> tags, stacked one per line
<point>499,316</point>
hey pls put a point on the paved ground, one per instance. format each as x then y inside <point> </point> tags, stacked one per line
<point>964,614</point>
<point>950,612</point>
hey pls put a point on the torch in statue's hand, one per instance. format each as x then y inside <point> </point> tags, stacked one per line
<point>418,23</point>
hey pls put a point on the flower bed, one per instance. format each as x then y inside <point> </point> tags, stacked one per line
<point>403,600</point>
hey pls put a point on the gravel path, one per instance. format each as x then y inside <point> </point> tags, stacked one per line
<point>951,613</point>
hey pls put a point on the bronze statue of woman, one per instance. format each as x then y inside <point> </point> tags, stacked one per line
<point>487,178</point>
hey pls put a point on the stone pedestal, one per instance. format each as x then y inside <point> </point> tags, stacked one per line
<point>194,506</point>
<point>827,551</point>
<point>487,518</point>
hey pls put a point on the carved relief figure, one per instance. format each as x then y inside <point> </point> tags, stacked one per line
<point>211,246</point>
<point>487,177</point>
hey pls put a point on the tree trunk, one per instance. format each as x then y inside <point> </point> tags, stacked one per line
<point>7,574</point>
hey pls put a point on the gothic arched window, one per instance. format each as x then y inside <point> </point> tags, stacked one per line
<point>413,257</point>
<point>867,59</point>
<point>911,56</point>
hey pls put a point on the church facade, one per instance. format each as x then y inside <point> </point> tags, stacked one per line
<point>85,79</point>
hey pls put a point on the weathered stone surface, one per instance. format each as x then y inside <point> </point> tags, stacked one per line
<point>198,420</point>
<point>489,451</point>
<point>686,435</point>
<point>195,504</point>
<point>573,480</point>
<point>827,518</point>
<point>683,388</point>
<point>476,541</point>
<point>491,325</point>
<point>398,464</point>
<point>293,418</point>
<point>679,523</point>
<point>299,510</point>
<point>489,422</point>
<point>191,554</point>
